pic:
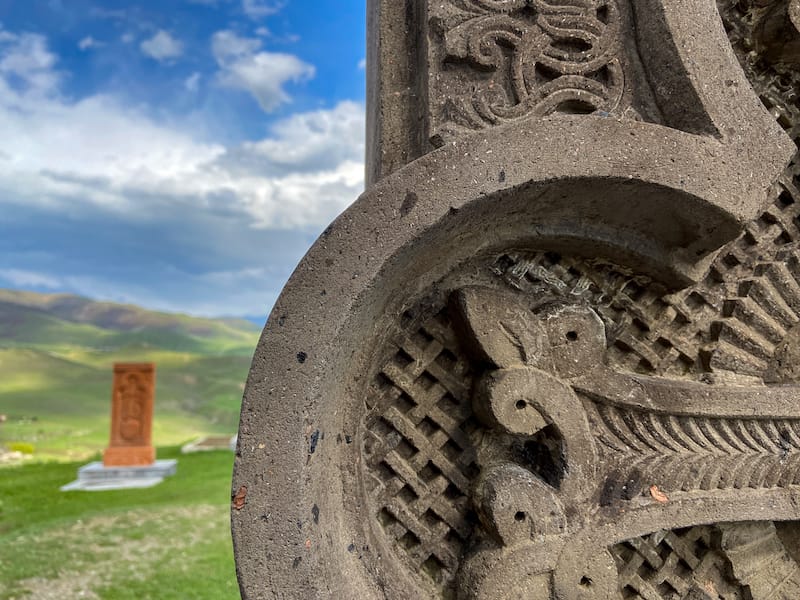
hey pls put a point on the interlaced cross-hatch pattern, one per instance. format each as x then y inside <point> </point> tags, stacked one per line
<point>421,436</point>
<point>677,564</point>
<point>420,449</point>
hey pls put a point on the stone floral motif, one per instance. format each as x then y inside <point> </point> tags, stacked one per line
<point>526,57</point>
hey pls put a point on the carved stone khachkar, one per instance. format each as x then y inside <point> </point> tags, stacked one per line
<point>132,399</point>
<point>553,352</point>
<point>129,461</point>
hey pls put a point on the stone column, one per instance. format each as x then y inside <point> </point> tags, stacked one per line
<point>552,351</point>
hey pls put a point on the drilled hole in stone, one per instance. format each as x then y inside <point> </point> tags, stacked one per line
<point>519,516</point>
<point>585,581</point>
<point>572,336</point>
<point>521,404</point>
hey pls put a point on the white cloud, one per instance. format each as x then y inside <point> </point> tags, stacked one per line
<point>227,46</point>
<point>257,9</point>
<point>262,74</point>
<point>89,42</point>
<point>97,152</point>
<point>192,83</point>
<point>162,47</point>
<point>127,38</point>
<point>310,141</point>
<point>263,32</point>
<point>21,278</point>
<point>27,64</point>
<point>362,64</point>
<point>96,159</point>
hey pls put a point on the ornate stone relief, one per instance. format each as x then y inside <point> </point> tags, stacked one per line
<point>580,376</point>
<point>507,422</point>
<point>504,60</point>
<point>560,358</point>
<point>735,329</point>
<point>491,62</point>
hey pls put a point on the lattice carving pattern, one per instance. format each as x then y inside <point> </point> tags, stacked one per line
<point>421,437</point>
<point>420,449</point>
<point>647,330</point>
<point>736,317</point>
<point>677,564</point>
<point>766,304</point>
<point>733,321</point>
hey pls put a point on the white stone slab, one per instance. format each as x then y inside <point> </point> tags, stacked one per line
<point>97,477</point>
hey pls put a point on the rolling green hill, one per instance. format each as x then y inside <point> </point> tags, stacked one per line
<point>56,356</point>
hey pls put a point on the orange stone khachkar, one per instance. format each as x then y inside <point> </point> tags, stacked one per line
<point>132,400</point>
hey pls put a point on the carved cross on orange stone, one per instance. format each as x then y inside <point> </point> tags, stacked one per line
<point>131,416</point>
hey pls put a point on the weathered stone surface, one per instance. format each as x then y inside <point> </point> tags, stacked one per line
<point>132,400</point>
<point>550,352</point>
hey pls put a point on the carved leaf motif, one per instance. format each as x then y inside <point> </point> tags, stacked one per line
<point>680,453</point>
<point>495,329</point>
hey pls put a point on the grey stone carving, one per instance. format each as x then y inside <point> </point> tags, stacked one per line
<point>496,61</point>
<point>552,352</point>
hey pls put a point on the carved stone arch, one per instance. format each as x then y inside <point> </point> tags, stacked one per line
<point>553,358</point>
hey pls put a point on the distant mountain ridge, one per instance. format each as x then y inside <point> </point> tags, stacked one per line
<point>34,319</point>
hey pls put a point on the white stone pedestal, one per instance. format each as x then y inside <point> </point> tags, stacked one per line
<point>96,477</point>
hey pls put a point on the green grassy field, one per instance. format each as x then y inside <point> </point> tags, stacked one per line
<point>56,358</point>
<point>169,542</point>
<point>61,402</point>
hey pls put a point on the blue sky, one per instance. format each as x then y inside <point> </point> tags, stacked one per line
<point>177,154</point>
